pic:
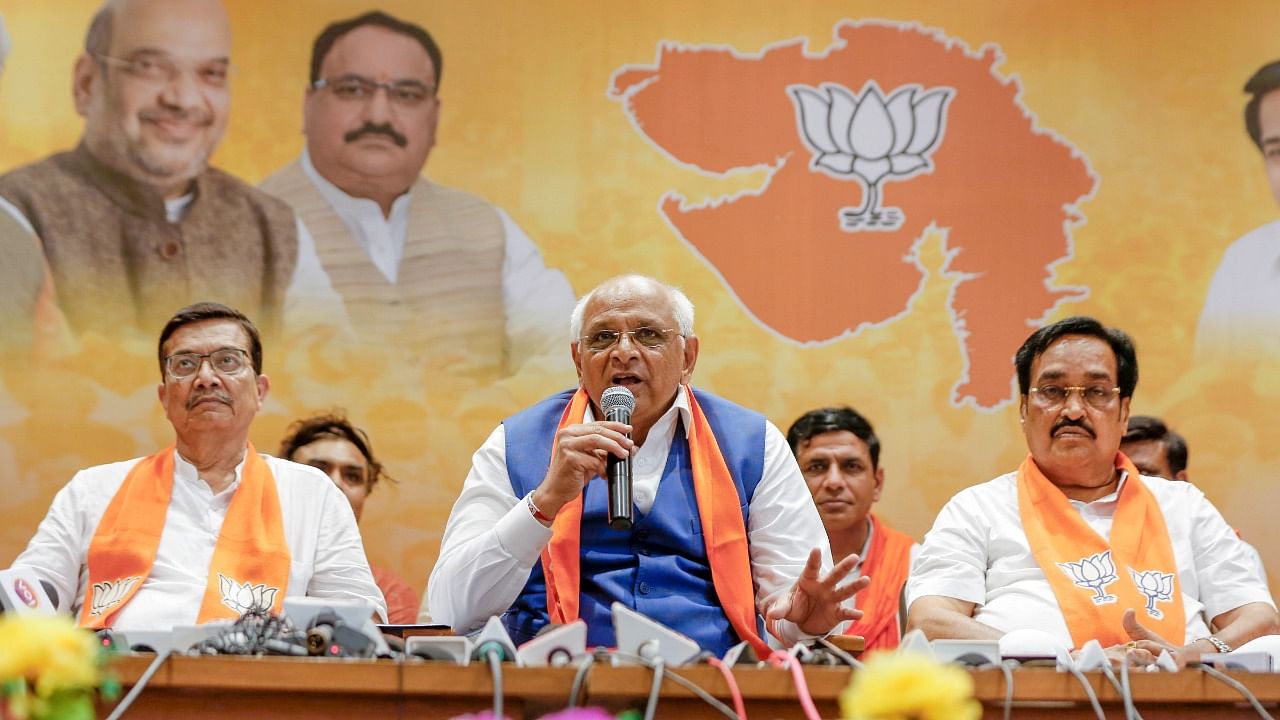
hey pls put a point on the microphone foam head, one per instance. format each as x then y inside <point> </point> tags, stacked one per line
<point>616,396</point>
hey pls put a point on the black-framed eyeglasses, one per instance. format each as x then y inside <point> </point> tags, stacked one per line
<point>158,67</point>
<point>358,88</point>
<point>652,338</point>
<point>1098,397</point>
<point>224,361</point>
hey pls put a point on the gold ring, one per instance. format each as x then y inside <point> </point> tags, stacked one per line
<point>1132,644</point>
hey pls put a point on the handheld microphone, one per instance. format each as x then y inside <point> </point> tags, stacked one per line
<point>617,403</point>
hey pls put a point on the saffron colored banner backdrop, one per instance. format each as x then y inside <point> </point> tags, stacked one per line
<point>1021,162</point>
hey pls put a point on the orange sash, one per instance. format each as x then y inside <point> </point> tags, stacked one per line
<point>250,564</point>
<point>722,528</point>
<point>1093,581</point>
<point>887,563</point>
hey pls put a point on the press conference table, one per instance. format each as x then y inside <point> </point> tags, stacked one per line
<point>271,687</point>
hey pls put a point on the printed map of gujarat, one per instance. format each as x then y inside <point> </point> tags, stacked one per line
<point>1003,192</point>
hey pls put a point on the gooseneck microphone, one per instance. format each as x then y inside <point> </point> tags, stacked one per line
<point>617,403</point>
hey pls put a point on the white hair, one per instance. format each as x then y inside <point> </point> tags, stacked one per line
<point>5,44</point>
<point>680,304</point>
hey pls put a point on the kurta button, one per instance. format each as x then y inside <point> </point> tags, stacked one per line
<point>170,249</point>
<point>644,588</point>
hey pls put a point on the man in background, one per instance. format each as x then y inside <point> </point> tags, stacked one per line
<point>206,528</point>
<point>331,444</point>
<point>1156,450</point>
<point>839,456</point>
<point>1241,315</point>
<point>133,221</point>
<point>436,275</point>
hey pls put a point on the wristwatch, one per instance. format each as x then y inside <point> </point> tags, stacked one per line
<point>1220,645</point>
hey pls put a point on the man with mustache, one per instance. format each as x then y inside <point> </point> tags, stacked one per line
<point>839,455</point>
<point>133,221</point>
<point>206,528</point>
<point>435,275</point>
<point>725,533</point>
<point>1077,543</point>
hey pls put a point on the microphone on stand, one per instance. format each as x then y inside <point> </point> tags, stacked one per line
<point>617,403</point>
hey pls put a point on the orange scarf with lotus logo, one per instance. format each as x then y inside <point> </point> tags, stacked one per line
<point>723,532</point>
<point>1095,581</point>
<point>250,565</point>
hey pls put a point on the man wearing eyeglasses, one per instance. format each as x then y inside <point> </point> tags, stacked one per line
<point>133,220</point>
<point>435,274</point>
<point>725,531</point>
<point>206,528</point>
<point>1077,543</point>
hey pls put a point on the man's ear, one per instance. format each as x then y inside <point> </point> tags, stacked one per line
<point>879,484</point>
<point>83,76</point>
<point>690,358</point>
<point>264,387</point>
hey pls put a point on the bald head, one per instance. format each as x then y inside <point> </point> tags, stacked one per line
<point>152,87</point>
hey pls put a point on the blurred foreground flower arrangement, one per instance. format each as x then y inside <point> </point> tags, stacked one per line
<point>909,686</point>
<point>49,668</point>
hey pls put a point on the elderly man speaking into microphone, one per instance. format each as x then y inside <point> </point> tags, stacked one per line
<point>724,532</point>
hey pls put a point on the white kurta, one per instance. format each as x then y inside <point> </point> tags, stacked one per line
<point>977,552</point>
<point>327,554</point>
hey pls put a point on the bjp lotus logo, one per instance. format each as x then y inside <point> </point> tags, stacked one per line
<point>109,593</point>
<point>1154,586</point>
<point>871,139</point>
<point>243,597</point>
<point>1095,573</point>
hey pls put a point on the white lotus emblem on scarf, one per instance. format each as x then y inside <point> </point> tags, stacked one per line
<point>1094,573</point>
<point>871,139</point>
<point>242,597</point>
<point>1154,586</point>
<point>109,593</point>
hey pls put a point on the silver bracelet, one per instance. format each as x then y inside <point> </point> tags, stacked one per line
<point>1220,645</point>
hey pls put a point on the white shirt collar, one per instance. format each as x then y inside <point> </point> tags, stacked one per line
<point>664,424</point>
<point>383,238</point>
<point>174,209</point>
<point>185,472</point>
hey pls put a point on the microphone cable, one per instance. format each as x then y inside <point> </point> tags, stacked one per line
<point>1122,687</point>
<point>655,689</point>
<point>1236,685</point>
<point>788,661</point>
<point>845,657</point>
<point>680,680</point>
<point>138,687</point>
<point>1006,668</point>
<point>580,677</point>
<point>739,705</point>
<point>492,652</point>
<point>1088,688</point>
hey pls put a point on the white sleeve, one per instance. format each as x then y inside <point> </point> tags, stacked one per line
<point>57,552</point>
<point>341,569</point>
<point>538,301</point>
<point>1225,571</point>
<point>952,562</point>
<point>310,299</point>
<point>784,528</point>
<point>490,545</point>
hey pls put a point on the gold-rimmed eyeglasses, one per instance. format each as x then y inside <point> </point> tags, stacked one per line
<point>1098,397</point>
<point>652,338</point>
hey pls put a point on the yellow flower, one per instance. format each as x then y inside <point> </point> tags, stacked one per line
<point>897,686</point>
<point>49,651</point>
